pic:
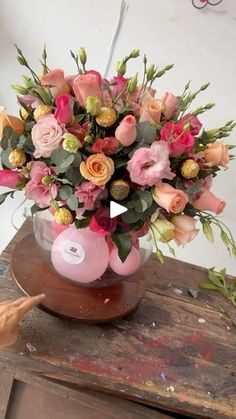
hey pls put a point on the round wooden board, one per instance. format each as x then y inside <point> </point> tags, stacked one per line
<point>64,298</point>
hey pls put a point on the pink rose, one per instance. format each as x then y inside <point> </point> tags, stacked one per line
<point>95,73</point>
<point>10,178</point>
<point>107,145</point>
<point>179,140</point>
<point>151,110</point>
<point>64,108</point>
<point>195,125</point>
<point>117,85</point>
<point>46,136</point>
<point>101,222</point>
<point>126,132</point>
<point>217,154</point>
<point>36,190</point>
<point>208,201</point>
<point>148,166</point>
<point>171,199</point>
<point>30,101</point>
<point>185,229</point>
<point>86,85</point>
<point>171,104</point>
<point>88,194</point>
<point>55,80</point>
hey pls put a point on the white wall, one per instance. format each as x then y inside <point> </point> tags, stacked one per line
<point>200,43</point>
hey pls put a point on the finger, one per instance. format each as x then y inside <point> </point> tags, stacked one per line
<point>19,301</point>
<point>29,303</point>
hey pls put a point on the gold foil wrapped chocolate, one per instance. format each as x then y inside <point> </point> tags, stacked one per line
<point>17,157</point>
<point>106,118</point>
<point>63,216</point>
<point>189,169</point>
<point>40,111</point>
<point>119,189</point>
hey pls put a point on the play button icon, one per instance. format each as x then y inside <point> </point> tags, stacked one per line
<point>116,209</point>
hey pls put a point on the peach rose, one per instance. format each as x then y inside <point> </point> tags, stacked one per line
<point>217,154</point>
<point>98,169</point>
<point>126,132</point>
<point>47,135</point>
<point>15,123</point>
<point>56,79</point>
<point>171,104</point>
<point>86,85</point>
<point>172,199</point>
<point>185,229</point>
<point>151,110</point>
<point>208,201</point>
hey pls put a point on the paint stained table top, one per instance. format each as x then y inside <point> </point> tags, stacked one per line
<point>176,352</point>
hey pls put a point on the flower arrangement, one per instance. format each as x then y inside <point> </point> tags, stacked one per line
<point>82,141</point>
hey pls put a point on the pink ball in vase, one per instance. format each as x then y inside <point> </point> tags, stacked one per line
<point>129,266</point>
<point>80,255</point>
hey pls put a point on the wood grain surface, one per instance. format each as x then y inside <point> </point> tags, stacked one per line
<point>175,352</point>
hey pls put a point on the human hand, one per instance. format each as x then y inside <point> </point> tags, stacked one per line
<point>11,313</point>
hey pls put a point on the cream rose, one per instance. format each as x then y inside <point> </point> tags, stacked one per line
<point>185,229</point>
<point>151,111</point>
<point>98,169</point>
<point>46,136</point>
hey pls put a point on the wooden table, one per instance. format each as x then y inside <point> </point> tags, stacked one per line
<point>175,353</point>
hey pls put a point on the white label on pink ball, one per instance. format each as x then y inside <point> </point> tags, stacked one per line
<point>72,252</point>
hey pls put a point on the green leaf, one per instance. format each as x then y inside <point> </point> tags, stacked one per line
<point>209,286</point>
<point>5,158</point>
<point>146,132</point>
<point>35,209</point>
<point>123,243</point>
<point>120,162</point>
<point>58,156</point>
<point>146,196</point>
<point>67,162</point>
<point>131,216</point>
<point>4,195</point>
<point>72,202</point>
<point>14,141</point>
<point>6,136</point>
<point>140,205</point>
<point>83,223</point>
<point>65,192</point>
<point>160,256</point>
<point>216,278</point>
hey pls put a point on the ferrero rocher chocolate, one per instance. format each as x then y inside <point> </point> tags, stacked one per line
<point>189,169</point>
<point>63,216</point>
<point>106,118</point>
<point>40,111</point>
<point>17,157</point>
<point>119,189</point>
<point>24,114</point>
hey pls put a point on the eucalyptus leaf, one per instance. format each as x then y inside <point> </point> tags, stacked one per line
<point>35,209</point>
<point>65,192</point>
<point>6,136</point>
<point>82,223</point>
<point>58,156</point>
<point>74,176</point>
<point>146,132</point>
<point>120,162</point>
<point>14,141</point>
<point>72,202</point>
<point>5,158</point>
<point>131,216</point>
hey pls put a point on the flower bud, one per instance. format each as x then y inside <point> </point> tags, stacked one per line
<point>121,68</point>
<point>135,53</point>
<point>71,143</point>
<point>132,84</point>
<point>93,105</point>
<point>17,157</point>
<point>88,139</point>
<point>163,230</point>
<point>63,216</point>
<point>28,82</point>
<point>150,72</point>
<point>20,89</point>
<point>82,56</point>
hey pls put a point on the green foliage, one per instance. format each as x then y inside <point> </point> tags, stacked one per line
<point>146,132</point>
<point>219,282</point>
<point>123,243</point>
<point>4,195</point>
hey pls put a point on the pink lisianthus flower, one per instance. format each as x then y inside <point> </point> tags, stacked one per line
<point>10,178</point>
<point>171,104</point>
<point>46,136</point>
<point>64,108</point>
<point>179,140</point>
<point>88,194</point>
<point>126,132</point>
<point>55,80</point>
<point>148,166</point>
<point>36,190</point>
<point>31,101</point>
<point>107,145</point>
<point>86,85</point>
<point>101,222</point>
<point>208,201</point>
<point>195,125</point>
